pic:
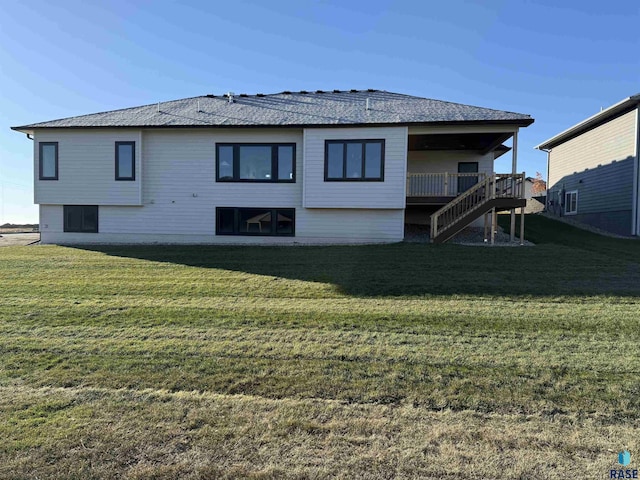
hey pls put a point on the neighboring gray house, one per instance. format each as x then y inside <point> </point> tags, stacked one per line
<point>304,167</point>
<point>593,170</point>
<point>535,202</point>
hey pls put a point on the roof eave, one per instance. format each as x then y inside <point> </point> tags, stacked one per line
<point>26,129</point>
<point>621,107</point>
<point>523,122</point>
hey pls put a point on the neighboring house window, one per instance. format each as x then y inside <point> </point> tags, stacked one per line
<point>571,203</point>
<point>81,218</point>
<point>255,221</point>
<point>354,160</point>
<point>48,155</point>
<point>125,160</point>
<point>255,162</point>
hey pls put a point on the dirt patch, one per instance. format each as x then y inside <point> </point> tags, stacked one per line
<point>17,239</point>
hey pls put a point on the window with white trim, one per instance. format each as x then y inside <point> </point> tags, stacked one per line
<point>571,202</point>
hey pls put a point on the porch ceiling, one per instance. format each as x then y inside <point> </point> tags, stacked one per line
<point>479,142</point>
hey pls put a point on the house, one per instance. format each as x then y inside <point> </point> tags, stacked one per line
<point>304,167</point>
<point>593,170</point>
<point>535,202</point>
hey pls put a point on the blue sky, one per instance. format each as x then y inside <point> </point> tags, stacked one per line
<point>559,61</point>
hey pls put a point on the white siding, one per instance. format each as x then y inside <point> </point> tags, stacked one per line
<point>347,226</point>
<point>613,141</point>
<point>447,161</point>
<point>50,219</point>
<point>313,226</point>
<point>86,168</point>
<point>180,194</point>
<point>180,191</point>
<point>384,195</point>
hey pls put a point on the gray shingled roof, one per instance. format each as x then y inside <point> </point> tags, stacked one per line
<point>290,109</point>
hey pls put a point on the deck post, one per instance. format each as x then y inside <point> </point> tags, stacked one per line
<point>446,184</point>
<point>514,168</point>
<point>512,237</point>
<point>486,227</point>
<point>521,225</point>
<point>514,154</point>
<point>494,224</point>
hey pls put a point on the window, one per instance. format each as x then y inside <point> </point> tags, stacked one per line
<point>253,162</point>
<point>354,160</point>
<point>125,160</point>
<point>48,155</point>
<point>255,221</point>
<point>81,218</point>
<point>571,202</point>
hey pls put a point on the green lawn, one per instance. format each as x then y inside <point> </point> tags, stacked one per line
<point>396,361</point>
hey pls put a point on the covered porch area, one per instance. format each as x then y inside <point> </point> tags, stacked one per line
<point>451,179</point>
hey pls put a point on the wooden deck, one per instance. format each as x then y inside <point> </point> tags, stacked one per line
<point>440,186</point>
<point>435,200</point>
<point>497,192</point>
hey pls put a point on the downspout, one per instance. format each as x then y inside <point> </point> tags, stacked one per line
<point>634,193</point>
<point>546,200</point>
<point>30,137</point>
<point>514,168</point>
<point>635,230</point>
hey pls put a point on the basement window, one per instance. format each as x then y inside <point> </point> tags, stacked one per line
<point>253,162</point>
<point>81,218</point>
<point>354,160</point>
<point>255,221</point>
<point>571,203</point>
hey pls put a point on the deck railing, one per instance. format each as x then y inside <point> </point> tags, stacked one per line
<point>500,185</point>
<point>441,184</point>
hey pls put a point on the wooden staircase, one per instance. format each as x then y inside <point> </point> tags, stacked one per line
<point>499,191</point>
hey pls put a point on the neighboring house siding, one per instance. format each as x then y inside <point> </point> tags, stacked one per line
<point>86,168</point>
<point>388,194</point>
<point>615,140</point>
<point>604,196</point>
<point>599,164</point>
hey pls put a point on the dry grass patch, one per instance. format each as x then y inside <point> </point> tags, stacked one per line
<point>99,433</point>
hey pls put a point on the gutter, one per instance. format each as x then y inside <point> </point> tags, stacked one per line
<point>635,220</point>
<point>447,123</point>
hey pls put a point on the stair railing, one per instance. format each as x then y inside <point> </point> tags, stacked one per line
<point>494,186</point>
